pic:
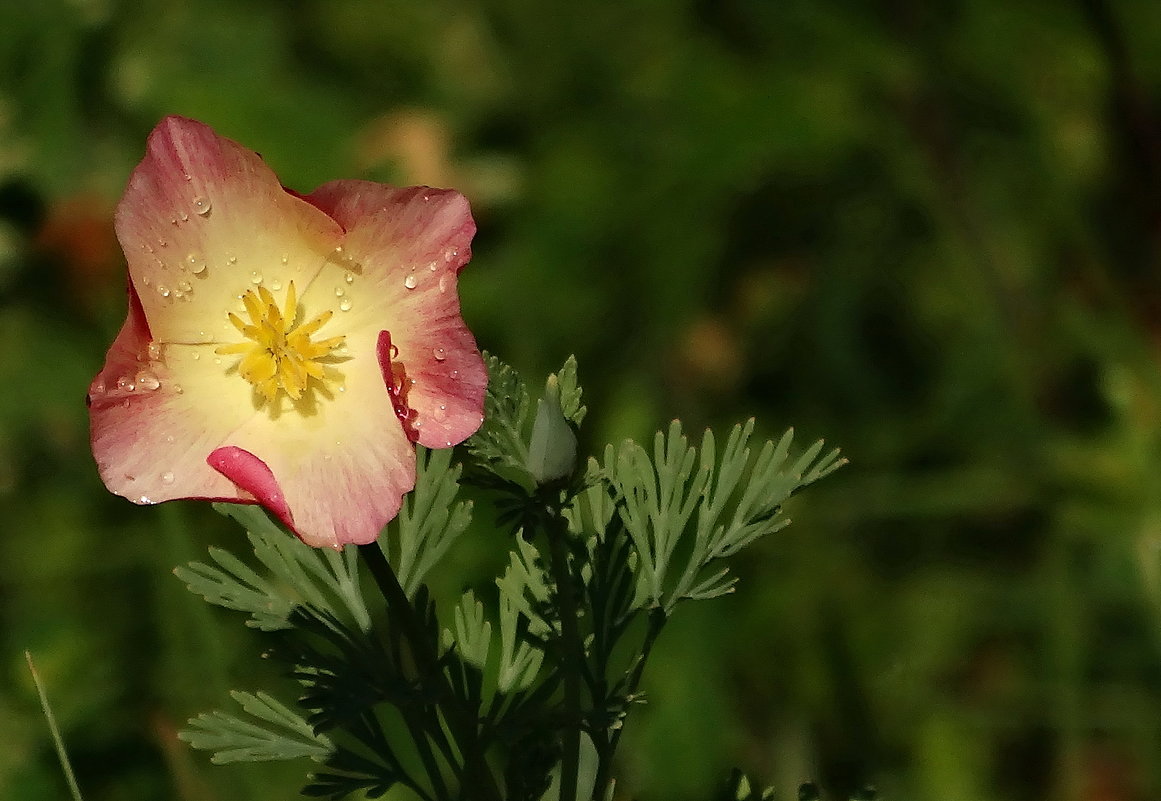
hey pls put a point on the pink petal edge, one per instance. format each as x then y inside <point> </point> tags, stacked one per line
<point>251,474</point>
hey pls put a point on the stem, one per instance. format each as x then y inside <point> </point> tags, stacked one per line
<point>462,723</point>
<point>571,656</point>
<point>54,730</point>
<point>657,621</point>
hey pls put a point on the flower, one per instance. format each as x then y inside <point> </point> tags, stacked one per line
<point>283,349</point>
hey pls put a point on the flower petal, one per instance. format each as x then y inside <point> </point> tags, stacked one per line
<point>251,474</point>
<point>157,410</point>
<point>203,219</point>
<point>338,467</point>
<point>404,249</point>
<point>342,463</point>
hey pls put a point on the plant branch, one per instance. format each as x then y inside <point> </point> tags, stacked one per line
<point>462,723</point>
<point>572,655</point>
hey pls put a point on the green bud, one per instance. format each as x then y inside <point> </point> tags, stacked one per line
<point>552,452</point>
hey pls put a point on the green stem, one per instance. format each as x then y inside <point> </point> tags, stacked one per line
<point>462,723</point>
<point>572,656</point>
<point>54,730</point>
<point>657,621</point>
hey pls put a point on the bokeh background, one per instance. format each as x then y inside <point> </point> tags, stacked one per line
<point>929,232</point>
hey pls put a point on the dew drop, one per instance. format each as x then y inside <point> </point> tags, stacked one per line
<point>394,351</point>
<point>163,290</point>
<point>169,437</point>
<point>276,285</point>
<point>232,259</point>
<point>350,278</point>
<point>196,356</point>
<point>162,243</point>
<point>432,266</point>
<point>440,354</point>
<point>125,383</point>
<point>440,414</point>
<point>345,304</point>
<point>147,380</point>
<point>145,279</point>
<point>444,282</point>
<point>285,259</point>
<point>184,217</point>
<point>451,254</point>
<point>167,478</point>
<point>339,292</point>
<point>188,177</point>
<point>177,389</point>
<point>203,206</point>
<point>144,499</point>
<point>153,351</point>
<point>410,282</point>
<point>184,286</point>
<point>255,277</point>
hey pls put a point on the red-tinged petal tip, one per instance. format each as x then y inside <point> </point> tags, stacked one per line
<point>251,474</point>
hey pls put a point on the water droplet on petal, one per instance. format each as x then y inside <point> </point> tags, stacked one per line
<point>451,254</point>
<point>410,282</point>
<point>276,285</point>
<point>147,380</point>
<point>162,243</point>
<point>184,217</point>
<point>153,351</point>
<point>163,290</point>
<point>350,278</point>
<point>144,499</point>
<point>167,477</point>
<point>232,259</point>
<point>184,286</point>
<point>285,259</point>
<point>440,414</point>
<point>440,354</point>
<point>345,304</point>
<point>339,292</point>
<point>444,282</point>
<point>169,437</point>
<point>202,206</point>
<point>125,383</point>
<point>196,356</point>
<point>255,277</point>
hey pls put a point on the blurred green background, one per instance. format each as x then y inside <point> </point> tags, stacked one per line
<point>929,232</point>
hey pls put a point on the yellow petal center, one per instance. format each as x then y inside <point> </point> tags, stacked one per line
<point>279,356</point>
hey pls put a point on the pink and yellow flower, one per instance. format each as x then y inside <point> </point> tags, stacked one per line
<point>283,349</point>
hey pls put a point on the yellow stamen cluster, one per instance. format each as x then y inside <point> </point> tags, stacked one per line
<point>279,356</point>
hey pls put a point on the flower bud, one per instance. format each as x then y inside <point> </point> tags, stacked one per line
<point>552,451</point>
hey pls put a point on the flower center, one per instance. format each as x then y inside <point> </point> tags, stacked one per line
<point>278,355</point>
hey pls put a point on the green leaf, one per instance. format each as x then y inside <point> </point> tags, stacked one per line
<point>500,441</point>
<point>736,499</point>
<point>429,520</point>
<point>278,734</point>
<point>296,574</point>
<point>570,393</point>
